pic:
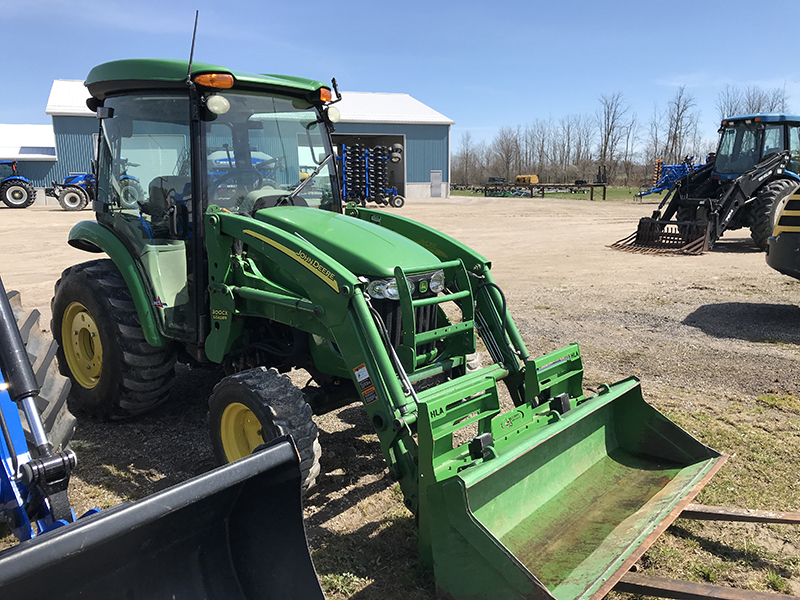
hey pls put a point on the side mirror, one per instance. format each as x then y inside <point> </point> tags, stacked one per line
<point>104,112</point>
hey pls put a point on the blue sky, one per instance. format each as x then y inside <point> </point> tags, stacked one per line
<point>483,64</point>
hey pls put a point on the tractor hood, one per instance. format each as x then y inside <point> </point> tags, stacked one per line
<point>364,248</point>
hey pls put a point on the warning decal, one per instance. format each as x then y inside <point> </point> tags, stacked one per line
<point>365,383</point>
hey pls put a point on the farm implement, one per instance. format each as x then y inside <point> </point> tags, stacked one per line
<point>752,173</point>
<point>665,176</point>
<point>365,175</point>
<point>204,538</point>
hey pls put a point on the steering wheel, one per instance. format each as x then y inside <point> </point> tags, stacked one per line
<point>242,175</point>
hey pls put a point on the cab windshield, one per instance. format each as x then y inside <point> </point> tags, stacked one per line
<point>264,151</point>
<point>738,149</point>
<point>744,145</point>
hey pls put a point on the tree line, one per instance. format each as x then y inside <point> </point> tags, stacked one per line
<point>573,147</point>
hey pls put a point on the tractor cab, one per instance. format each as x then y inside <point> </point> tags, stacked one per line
<point>8,168</point>
<point>240,142</point>
<point>747,140</point>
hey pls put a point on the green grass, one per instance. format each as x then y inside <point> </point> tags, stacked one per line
<point>341,584</point>
<point>761,441</point>
<point>777,583</point>
<point>789,403</point>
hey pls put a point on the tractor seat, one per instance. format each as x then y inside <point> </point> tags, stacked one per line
<point>170,189</point>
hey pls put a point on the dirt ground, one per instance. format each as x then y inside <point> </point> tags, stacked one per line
<point>703,333</point>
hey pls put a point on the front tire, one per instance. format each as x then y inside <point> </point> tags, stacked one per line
<point>115,373</point>
<point>17,194</point>
<point>255,406</point>
<point>765,209</point>
<point>397,202</point>
<point>73,198</point>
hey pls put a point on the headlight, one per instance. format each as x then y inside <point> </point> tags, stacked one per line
<point>386,289</point>
<point>437,282</point>
<point>377,289</point>
<point>391,290</point>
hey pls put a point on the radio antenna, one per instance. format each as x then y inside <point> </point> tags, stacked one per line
<point>191,52</point>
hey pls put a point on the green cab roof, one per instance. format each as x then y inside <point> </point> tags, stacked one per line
<point>148,73</point>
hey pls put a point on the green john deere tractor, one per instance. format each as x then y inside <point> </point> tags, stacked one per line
<point>240,254</point>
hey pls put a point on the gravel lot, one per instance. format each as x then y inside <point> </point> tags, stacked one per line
<point>700,332</point>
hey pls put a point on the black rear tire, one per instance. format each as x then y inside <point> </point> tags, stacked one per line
<point>17,194</point>
<point>255,406</point>
<point>73,198</point>
<point>764,212</point>
<point>115,373</point>
<point>58,422</point>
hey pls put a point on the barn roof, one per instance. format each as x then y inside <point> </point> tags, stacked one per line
<point>27,142</point>
<point>378,107</point>
<point>68,99</point>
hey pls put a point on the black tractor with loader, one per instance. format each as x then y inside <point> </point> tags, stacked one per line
<point>753,171</point>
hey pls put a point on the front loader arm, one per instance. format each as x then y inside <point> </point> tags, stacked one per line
<point>493,322</point>
<point>313,298</point>
<point>326,299</point>
<point>745,187</point>
<point>681,189</point>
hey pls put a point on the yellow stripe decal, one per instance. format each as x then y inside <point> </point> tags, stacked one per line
<point>309,262</point>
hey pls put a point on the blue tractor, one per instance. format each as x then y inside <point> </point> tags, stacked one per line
<point>754,170</point>
<point>75,192</point>
<point>15,190</point>
<point>78,189</point>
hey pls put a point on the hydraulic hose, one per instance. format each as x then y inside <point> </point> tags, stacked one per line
<point>18,373</point>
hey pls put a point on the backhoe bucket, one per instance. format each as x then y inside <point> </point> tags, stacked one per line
<point>564,499</point>
<point>654,236</point>
<point>235,533</point>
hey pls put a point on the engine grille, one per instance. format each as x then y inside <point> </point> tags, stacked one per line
<point>424,316</point>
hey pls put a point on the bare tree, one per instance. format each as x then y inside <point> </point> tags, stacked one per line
<point>584,133</point>
<point>612,121</point>
<point>537,136</point>
<point>777,100</point>
<point>729,102</point>
<point>631,138</point>
<point>467,159</point>
<point>505,148</point>
<point>682,118</point>
<point>655,139</point>
<point>753,99</point>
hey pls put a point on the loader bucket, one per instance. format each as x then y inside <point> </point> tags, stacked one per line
<point>233,533</point>
<point>563,502</point>
<point>655,236</point>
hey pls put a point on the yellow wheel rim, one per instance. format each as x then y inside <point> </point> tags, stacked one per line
<point>240,431</point>
<point>81,343</point>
